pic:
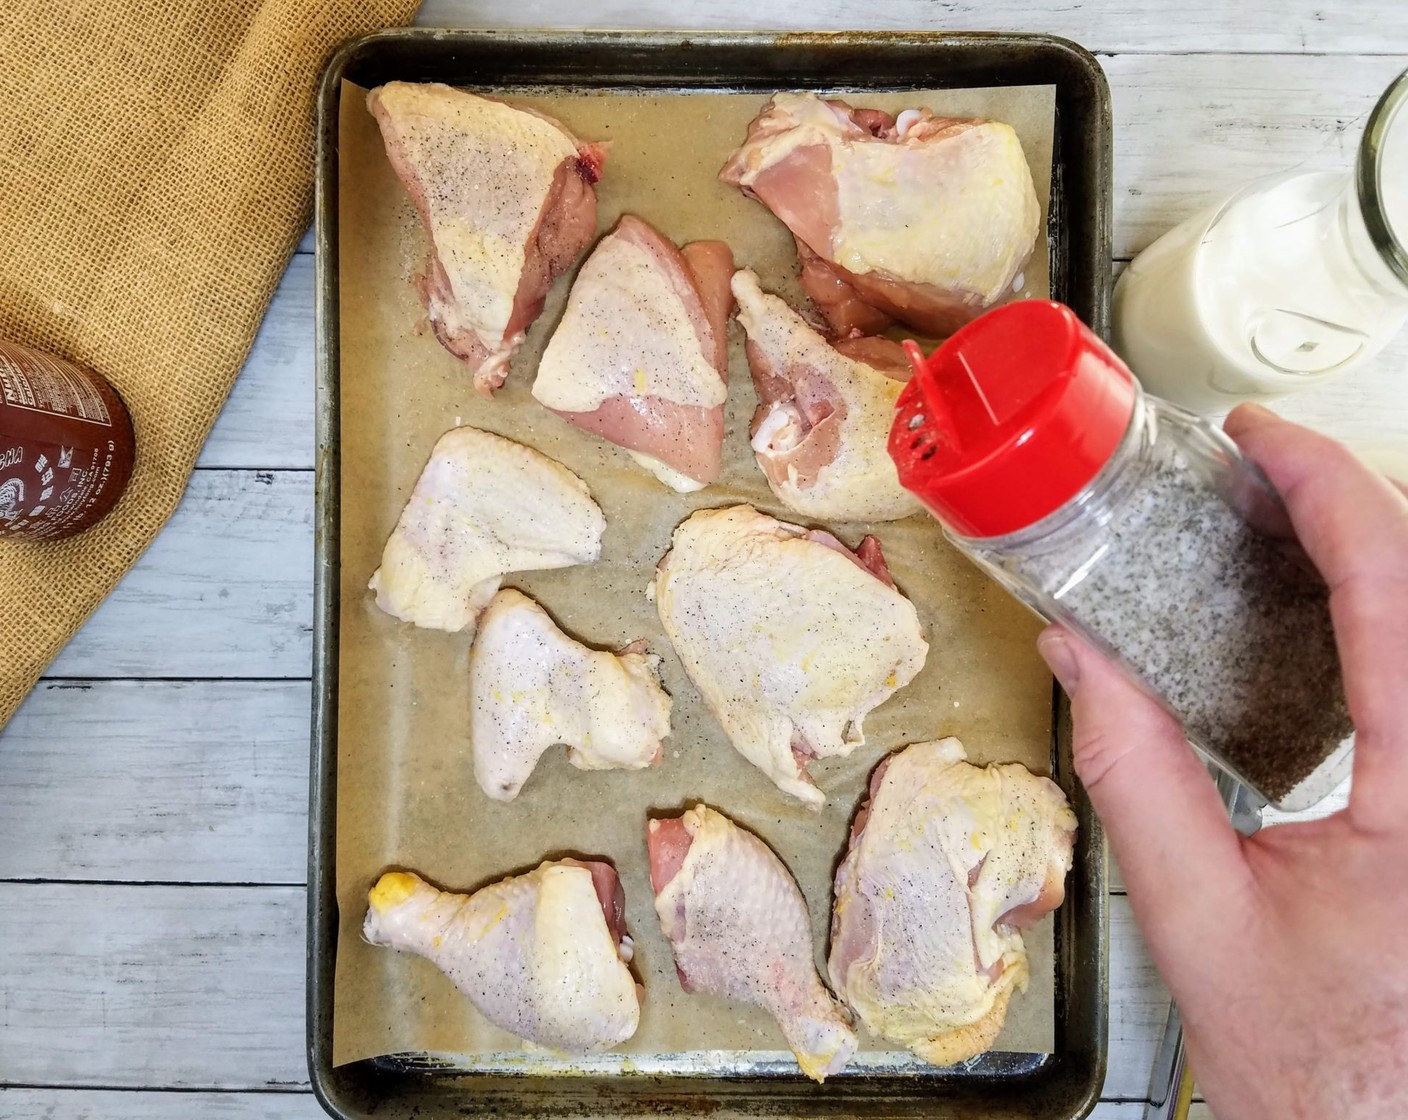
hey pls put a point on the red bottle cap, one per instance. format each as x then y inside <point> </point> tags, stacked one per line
<point>1010,418</point>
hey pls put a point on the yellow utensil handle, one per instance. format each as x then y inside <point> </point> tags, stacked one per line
<point>1184,1101</point>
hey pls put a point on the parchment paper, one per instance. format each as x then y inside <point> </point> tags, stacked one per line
<point>406,796</point>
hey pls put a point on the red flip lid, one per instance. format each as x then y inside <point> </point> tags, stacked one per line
<point>1010,418</point>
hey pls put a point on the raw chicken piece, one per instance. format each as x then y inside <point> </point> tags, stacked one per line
<point>739,929</point>
<point>822,427</point>
<point>946,862</point>
<point>484,506</point>
<point>791,638</point>
<point>926,219</point>
<point>641,355</point>
<point>541,955</point>
<point>532,687</point>
<point>507,201</point>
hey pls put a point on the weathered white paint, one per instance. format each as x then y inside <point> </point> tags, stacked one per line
<point>100,1104</point>
<point>90,1104</point>
<point>225,591</point>
<point>202,987</point>
<point>152,986</point>
<point>268,420</point>
<point>204,781</point>
<point>1371,26</point>
<point>1189,129</point>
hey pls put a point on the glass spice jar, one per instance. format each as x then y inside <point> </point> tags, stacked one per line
<point>66,445</point>
<point>1140,527</point>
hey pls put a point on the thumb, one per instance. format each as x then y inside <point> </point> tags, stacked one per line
<point>1160,807</point>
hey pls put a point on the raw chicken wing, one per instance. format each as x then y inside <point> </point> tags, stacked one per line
<point>506,198</point>
<point>532,687</point>
<point>739,929</point>
<point>946,863</point>
<point>926,219</point>
<point>641,355</point>
<point>791,638</point>
<point>484,506</point>
<point>823,422</point>
<point>541,955</point>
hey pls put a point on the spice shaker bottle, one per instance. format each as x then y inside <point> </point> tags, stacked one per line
<point>1140,527</point>
<point>66,445</point>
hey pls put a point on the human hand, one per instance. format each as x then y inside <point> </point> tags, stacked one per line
<point>1286,951</point>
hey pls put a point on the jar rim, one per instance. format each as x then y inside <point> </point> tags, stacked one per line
<point>1368,175</point>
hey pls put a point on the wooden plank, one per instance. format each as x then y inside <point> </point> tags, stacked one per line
<point>202,987</point>
<point>268,420</point>
<point>225,590</point>
<point>1189,129</point>
<point>152,986</point>
<point>1136,25</point>
<point>90,1104</point>
<point>148,781</point>
<point>1138,1007</point>
<point>107,1104</point>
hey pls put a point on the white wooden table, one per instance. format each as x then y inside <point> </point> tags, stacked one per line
<point>153,790</point>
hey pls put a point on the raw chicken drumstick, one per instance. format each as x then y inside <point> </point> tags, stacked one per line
<point>541,955</point>
<point>739,929</point>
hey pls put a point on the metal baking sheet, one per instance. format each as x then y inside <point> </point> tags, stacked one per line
<point>531,1088</point>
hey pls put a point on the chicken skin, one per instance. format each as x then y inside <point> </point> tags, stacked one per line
<point>947,862</point>
<point>640,357</point>
<point>739,929</point>
<point>791,637</point>
<point>823,422</point>
<point>541,955</point>
<point>484,506</point>
<point>506,198</point>
<point>532,687</point>
<point>920,218</point>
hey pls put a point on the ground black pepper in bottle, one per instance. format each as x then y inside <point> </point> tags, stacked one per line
<point>1131,521</point>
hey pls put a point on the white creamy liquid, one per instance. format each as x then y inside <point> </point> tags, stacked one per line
<point>1260,297</point>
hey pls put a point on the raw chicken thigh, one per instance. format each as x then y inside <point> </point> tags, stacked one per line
<point>823,422</point>
<point>507,201</point>
<point>739,929</point>
<point>484,506</point>
<point>947,862</point>
<point>926,219</point>
<point>640,357</point>
<point>532,687</point>
<point>791,638</point>
<point>541,955</point>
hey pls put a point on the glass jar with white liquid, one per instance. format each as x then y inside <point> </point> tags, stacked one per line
<point>1291,282</point>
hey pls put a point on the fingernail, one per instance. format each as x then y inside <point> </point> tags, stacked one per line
<point>1055,649</point>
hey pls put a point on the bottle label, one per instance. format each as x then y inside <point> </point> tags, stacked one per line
<point>43,488</point>
<point>66,445</point>
<point>47,386</point>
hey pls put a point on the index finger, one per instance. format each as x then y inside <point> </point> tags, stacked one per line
<point>1353,524</point>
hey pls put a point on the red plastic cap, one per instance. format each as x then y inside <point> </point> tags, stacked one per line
<point>1010,418</point>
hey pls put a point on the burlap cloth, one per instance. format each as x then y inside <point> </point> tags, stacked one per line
<point>156,162</point>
